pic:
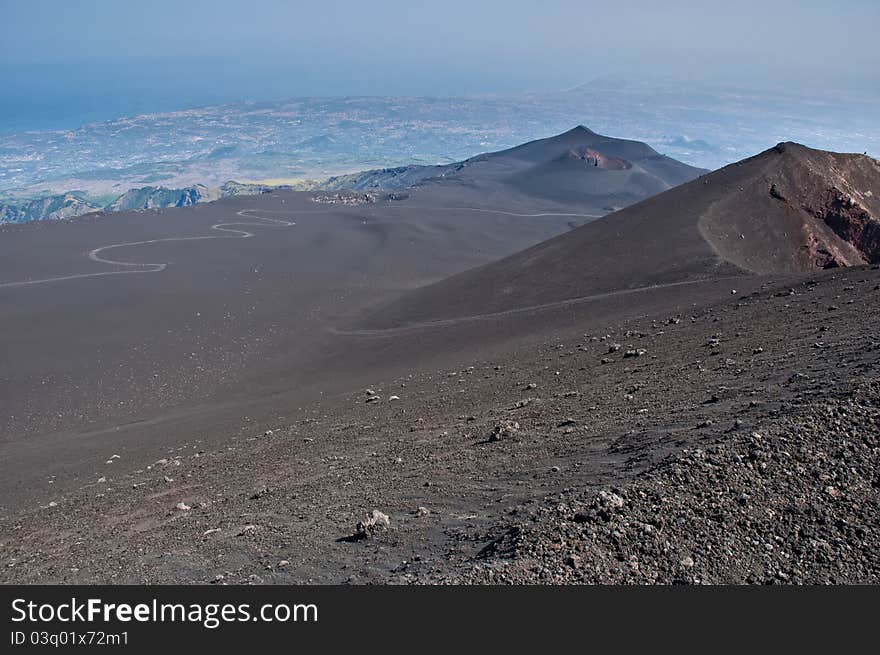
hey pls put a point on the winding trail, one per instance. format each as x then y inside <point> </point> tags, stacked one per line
<point>518,311</point>
<point>233,231</point>
<point>496,211</point>
<point>137,267</point>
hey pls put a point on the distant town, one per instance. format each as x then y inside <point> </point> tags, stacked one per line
<point>183,157</point>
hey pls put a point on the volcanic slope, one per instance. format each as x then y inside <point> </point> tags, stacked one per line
<point>788,210</point>
<point>555,459</point>
<point>144,327</point>
<point>543,445</point>
<point>597,172</point>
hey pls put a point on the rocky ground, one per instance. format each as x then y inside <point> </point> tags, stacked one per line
<point>796,503</point>
<point>736,442</point>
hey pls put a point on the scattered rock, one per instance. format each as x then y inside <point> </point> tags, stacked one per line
<point>503,430</point>
<point>793,503</point>
<point>608,500</point>
<point>377,521</point>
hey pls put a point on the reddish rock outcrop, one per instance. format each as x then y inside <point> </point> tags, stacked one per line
<point>850,221</point>
<point>596,158</point>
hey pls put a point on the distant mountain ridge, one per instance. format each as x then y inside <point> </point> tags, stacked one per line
<point>57,207</point>
<point>152,197</point>
<point>73,204</point>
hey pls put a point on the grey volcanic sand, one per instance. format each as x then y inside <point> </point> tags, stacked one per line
<point>216,343</point>
<point>278,508</point>
<point>137,446</point>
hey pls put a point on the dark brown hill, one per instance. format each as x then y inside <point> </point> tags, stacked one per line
<point>793,209</point>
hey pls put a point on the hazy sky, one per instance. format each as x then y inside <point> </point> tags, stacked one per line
<point>115,56</point>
